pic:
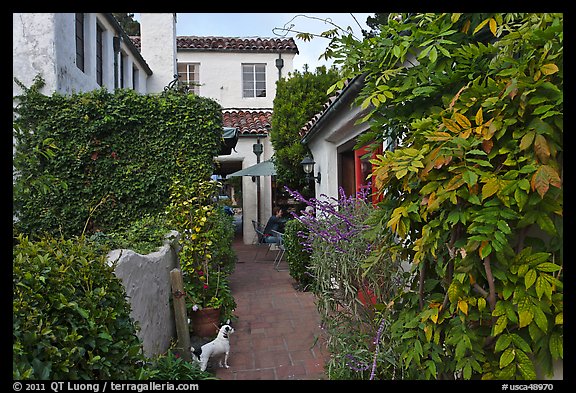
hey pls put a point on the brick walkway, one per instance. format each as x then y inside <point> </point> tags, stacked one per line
<point>277,334</point>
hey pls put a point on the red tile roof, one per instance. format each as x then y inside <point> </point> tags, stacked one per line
<point>231,44</point>
<point>310,123</point>
<point>237,44</point>
<point>248,121</point>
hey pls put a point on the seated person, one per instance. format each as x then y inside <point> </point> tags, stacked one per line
<point>276,223</point>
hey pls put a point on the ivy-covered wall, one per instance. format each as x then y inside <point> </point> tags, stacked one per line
<point>98,160</point>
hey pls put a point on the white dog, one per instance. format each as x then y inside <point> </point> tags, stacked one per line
<point>219,347</point>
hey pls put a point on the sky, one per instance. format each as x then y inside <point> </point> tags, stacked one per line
<point>273,25</point>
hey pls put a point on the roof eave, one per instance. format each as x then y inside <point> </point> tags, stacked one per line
<point>128,41</point>
<point>347,94</point>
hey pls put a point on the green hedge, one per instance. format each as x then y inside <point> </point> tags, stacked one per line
<point>98,160</point>
<point>71,319</point>
<point>297,257</point>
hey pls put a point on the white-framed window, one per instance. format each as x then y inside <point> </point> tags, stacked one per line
<point>253,80</point>
<point>189,75</point>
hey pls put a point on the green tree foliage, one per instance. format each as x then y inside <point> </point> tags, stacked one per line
<point>99,160</point>
<point>126,20</point>
<point>374,23</point>
<point>472,195</point>
<point>298,98</point>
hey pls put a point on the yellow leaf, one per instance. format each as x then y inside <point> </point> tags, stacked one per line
<point>479,118</point>
<point>481,304</point>
<point>559,319</point>
<point>465,134</point>
<point>491,187</point>
<point>438,136</point>
<point>525,317</point>
<point>428,331</point>
<point>527,140</point>
<point>493,26</point>
<point>537,75</point>
<point>463,306</point>
<point>549,69</point>
<point>462,120</point>
<point>451,125</point>
<point>480,26</point>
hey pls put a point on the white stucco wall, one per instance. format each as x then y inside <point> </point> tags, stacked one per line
<point>44,44</point>
<point>338,130</point>
<point>146,279</point>
<point>220,76</point>
<point>246,156</point>
<point>33,49</point>
<point>158,47</point>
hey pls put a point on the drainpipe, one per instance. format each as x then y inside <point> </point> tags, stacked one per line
<point>279,65</point>
<point>258,149</point>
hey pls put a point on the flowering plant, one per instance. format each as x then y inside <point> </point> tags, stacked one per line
<point>206,258</point>
<point>205,289</point>
<point>353,301</point>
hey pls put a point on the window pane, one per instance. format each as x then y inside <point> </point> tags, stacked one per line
<point>254,80</point>
<point>80,40</point>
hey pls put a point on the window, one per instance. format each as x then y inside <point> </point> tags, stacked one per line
<point>80,40</point>
<point>135,80</point>
<point>123,59</point>
<point>99,60</point>
<point>188,74</point>
<point>253,80</point>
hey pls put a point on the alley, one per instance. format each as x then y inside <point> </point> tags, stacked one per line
<point>278,334</point>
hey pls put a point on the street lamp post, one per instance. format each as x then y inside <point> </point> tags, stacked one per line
<point>258,148</point>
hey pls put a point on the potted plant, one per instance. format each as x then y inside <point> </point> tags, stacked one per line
<point>206,293</point>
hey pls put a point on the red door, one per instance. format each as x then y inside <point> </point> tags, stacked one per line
<point>363,168</point>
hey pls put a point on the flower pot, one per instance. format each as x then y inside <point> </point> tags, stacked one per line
<point>205,322</point>
<point>367,297</point>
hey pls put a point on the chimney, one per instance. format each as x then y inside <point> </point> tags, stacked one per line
<point>158,47</point>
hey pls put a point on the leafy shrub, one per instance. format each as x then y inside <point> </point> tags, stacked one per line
<point>98,160</point>
<point>473,189</point>
<point>297,257</point>
<point>71,319</point>
<point>144,235</point>
<point>171,367</point>
<point>349,298</point>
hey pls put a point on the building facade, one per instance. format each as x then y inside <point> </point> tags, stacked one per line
<point>78,52</point>
<point>75,52</point>
<point>240,74</point>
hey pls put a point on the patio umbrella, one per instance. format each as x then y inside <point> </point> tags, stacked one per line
<point>265,168</point>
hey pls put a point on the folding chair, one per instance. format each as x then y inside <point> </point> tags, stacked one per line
<point>259,233</point>
<point>281,250</point>
<point>259,237</point>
